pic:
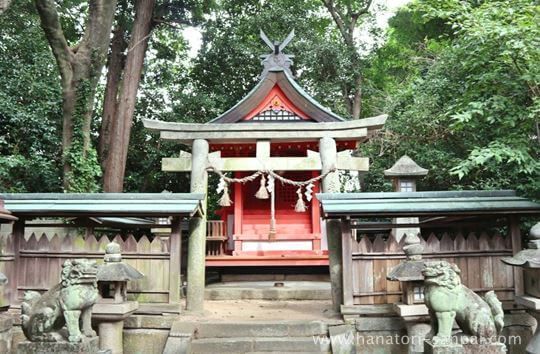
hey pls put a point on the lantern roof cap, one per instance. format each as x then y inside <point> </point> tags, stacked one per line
<point>407,271</point>
<point>405,166</point>
<point>528,258</point>
<point>118,271</point>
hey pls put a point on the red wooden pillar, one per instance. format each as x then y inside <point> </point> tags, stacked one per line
<point>238,211</point>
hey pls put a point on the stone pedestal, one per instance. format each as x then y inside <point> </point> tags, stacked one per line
<point>464,344</point>
<point>5,333</point>
<point>533,308</point>
<point>110,318</point>
<point>110,336</point>
<point>443,348</point>
<point>87,346</point>
<point>490,348</point>
<point>416,320</point>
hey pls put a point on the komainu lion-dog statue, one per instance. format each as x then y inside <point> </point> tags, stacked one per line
<point>68,303</point>
<point>448,299</point>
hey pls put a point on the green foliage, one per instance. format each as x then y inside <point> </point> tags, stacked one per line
<point>85,170</point>
<point>30,105</point>
<point>467,108</point>
<point>460,80</point>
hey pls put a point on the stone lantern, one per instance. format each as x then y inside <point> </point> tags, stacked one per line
<point>529,260</point>
<point>113,307</point>
<point>404,175</point>
<point>412,309</point>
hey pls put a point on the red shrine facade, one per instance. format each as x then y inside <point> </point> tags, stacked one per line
<point>276,127</point>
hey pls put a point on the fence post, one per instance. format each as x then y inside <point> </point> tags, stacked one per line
<point>515,234</point>
<point>174,264</point>
<point>347,262</point>
<point>17,236</point>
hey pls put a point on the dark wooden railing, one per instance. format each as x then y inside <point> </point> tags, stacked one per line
<point>216,238</point>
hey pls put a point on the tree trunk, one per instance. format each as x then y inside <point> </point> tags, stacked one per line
<point>356,110</point>
<point>113,179</point>
<point>110,102</point>
<point>80,68</point>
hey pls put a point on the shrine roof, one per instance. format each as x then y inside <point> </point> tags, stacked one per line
<point>278,76</point>
<point>410,204</point>
<point>103,204</point>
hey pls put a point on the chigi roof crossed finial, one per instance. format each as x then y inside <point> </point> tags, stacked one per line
<point>277,59</point>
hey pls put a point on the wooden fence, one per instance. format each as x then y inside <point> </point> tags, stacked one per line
<point>478,257</point>
<point>37,264</point>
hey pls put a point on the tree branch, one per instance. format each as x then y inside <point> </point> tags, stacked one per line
<point>338,19</point>
<point>50,22</point>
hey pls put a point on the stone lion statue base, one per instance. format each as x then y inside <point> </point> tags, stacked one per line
<point>448,299</point>
<point>66,304</point>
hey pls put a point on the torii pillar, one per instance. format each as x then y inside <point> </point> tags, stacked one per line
<point>197,229</point>
<point>330,184</point>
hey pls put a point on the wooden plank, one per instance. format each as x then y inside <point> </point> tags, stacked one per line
<point>515,235</point>
<point>174,263</point>
<point>347,262</point>
<point>473,263</point>
<point>144,265</point>
<point>500,270</point>
<point>30,263</point>
<point>379,270</point>
<point>17,238</point>
<point>447,245</point>
<point>44,272</point>
<point>460,245</point>
<point>364,269</point>
<point>486,263</point>
<point>392,287</point>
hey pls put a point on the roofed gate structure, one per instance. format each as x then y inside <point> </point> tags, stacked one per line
<point>272,150</point>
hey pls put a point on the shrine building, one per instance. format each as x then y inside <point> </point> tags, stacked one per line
<point>272,150</point>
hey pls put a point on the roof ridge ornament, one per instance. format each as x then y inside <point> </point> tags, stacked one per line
<point>277,60</point>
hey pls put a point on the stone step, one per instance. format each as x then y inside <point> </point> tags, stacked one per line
<point>260,344</point>
<point>288,352</point>
<point>265,290</point>
<point>255,329</point>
